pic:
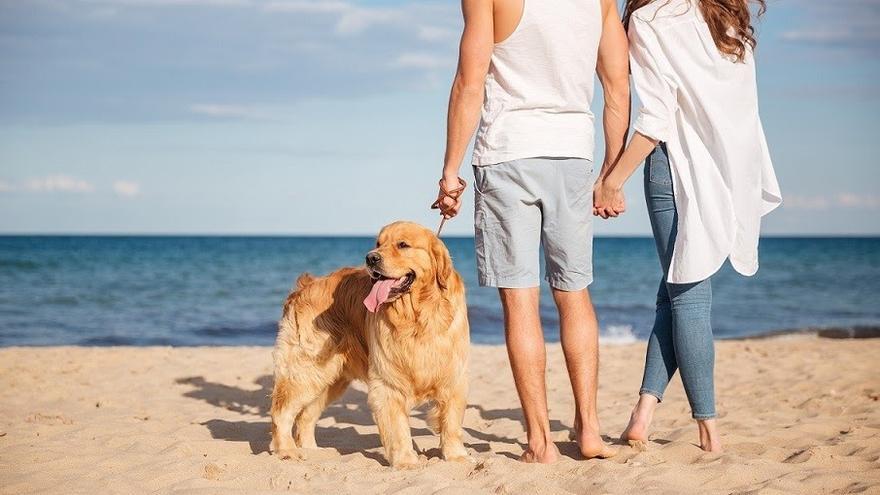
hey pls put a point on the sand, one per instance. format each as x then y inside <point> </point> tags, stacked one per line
<point>799,415</point>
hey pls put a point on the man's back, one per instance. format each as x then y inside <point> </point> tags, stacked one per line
<point>540,81</point>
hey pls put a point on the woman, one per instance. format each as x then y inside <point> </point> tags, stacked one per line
<point>708,180</point>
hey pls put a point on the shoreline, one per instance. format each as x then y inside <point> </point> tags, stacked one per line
<point>853,332</point>
<point>797,415</point>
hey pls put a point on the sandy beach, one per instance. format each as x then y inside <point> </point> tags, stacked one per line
<point>799,415</point>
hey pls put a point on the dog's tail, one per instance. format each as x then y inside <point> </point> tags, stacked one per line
<point>304,280</point>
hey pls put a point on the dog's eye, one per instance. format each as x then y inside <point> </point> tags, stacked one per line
<point>377,244</point>
<point>402,245</point>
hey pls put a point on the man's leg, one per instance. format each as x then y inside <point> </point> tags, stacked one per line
<point>525,348</point>
<point>579,332</point>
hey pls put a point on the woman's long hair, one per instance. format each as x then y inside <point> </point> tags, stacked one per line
<point>730,22</point>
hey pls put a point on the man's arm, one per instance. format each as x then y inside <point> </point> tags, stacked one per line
<point>466,96</point>
<point>613,70</point>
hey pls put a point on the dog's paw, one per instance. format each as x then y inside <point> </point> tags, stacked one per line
<point>291,455</point>
<point>457,454</point>
<point>407,461</point>
<point>467,458</point>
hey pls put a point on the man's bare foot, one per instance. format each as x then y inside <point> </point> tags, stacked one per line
<point>546,454</point>
<point>593,447</point>
<point>590,443</point>
<point>710,439</point>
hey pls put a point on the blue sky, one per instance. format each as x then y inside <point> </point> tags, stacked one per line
<point>328,117</point>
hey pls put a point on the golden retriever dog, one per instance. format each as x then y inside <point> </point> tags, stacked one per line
<point>399,324</point>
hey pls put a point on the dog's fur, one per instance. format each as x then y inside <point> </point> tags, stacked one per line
<point>412,350</point>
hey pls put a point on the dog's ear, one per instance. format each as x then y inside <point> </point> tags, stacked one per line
<point>442,262</point>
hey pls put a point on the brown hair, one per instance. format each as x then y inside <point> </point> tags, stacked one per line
<point>721,16</point>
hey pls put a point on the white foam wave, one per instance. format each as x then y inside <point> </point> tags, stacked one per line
<point>617,335</point>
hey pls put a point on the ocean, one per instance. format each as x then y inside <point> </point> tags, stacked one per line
<point>194,291</point>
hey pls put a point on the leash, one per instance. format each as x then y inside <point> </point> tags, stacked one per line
<point>440,227</point>
<point>444,193</point>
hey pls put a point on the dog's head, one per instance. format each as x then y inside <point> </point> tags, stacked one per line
<point>407,257</point>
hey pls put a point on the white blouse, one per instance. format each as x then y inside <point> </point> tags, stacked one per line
<point>704,105</point>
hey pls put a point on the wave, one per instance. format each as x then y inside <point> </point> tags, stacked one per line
<point>835,332</point>
<point>617,335</point>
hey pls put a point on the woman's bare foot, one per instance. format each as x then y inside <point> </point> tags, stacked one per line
<point>710,439</point>
<point>636,432</point>
<point>544,454</point>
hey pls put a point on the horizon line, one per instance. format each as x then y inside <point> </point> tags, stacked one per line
<point>365,235</point>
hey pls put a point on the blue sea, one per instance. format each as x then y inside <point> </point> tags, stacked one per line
<point>186,291</point>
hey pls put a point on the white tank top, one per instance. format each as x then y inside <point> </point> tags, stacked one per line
<point>540,85</point>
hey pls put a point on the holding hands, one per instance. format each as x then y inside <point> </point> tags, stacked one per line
<point>608,200</point>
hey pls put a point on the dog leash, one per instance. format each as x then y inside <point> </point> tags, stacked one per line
<point>453,195</point>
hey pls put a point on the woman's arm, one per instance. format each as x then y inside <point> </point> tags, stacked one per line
<point>608,195</point>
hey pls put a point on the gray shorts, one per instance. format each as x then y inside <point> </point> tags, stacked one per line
<point>523,204</point>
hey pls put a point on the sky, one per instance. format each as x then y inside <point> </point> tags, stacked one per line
<point>328,116</point>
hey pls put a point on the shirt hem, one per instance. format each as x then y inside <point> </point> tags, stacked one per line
<point>495,158</point>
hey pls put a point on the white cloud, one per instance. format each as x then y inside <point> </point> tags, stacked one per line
<point>126,189</point>
<point>831,35</point>
<point>841,22</point>
<point>841,200</point>
<point>172,3</point>
<point>247,61</point>
<point>218,110</point>
<point>437,33</point>
<point>307,7</point>
<point>350,19</point>
<point>5,186</point>
<point>799,202</point>
<point>422,61</point>
<point>58,183</point>
<point>859,201</point>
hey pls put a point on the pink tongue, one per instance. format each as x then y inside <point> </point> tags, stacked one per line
<point>379,293</point>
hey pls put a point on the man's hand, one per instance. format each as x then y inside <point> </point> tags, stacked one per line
<point>449,205</point>
<point>608,201</point>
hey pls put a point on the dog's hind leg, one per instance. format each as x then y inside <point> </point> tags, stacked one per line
<point>305,422</point>
<point>286,405</point>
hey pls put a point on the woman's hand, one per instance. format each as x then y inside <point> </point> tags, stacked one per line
<point>608,200</point>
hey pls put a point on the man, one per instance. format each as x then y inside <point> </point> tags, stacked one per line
<point>530,65</point>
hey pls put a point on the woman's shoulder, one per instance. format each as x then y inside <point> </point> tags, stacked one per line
<point>660,13</point>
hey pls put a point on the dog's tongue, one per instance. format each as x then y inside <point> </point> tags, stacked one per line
<point>379,293</point>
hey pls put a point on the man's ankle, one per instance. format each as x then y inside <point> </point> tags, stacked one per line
<point>540,440</point>
<point>588,421</point>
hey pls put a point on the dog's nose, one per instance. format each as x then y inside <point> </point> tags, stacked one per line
<point>373,259</point>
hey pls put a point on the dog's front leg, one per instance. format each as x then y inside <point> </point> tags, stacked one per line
<point>391,413</point>
<point>450,415</point>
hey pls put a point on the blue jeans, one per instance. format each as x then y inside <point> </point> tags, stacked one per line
<point>682,334</point>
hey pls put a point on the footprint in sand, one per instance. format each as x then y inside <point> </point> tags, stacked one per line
<point>212,472</point>
<point>48,419</point>
<point>799,456</point>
